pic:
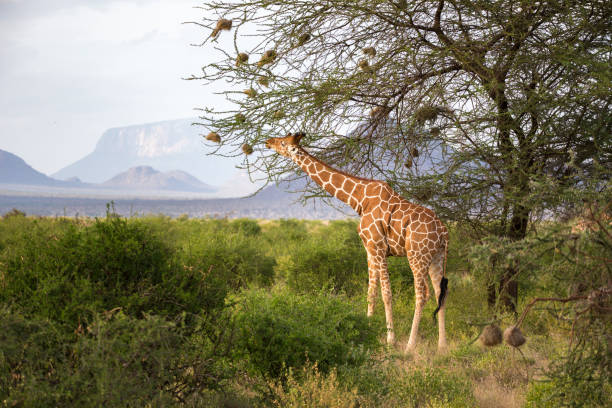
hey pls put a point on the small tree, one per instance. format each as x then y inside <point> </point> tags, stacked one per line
<point>508,100</point>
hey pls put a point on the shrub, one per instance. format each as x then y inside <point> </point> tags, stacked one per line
<point>33,353</point>
<point>64,271</point>
<point>117,361</point>
<point>234,257</point>
<point>125,362</point>
<point>432,387</point>
<point>372,385</point>
<point>281,329</point>
<point>311,388</point>
<point>287,231</point>
<point>330,258</point>
<point>64,274</point>
<point>246,226</point>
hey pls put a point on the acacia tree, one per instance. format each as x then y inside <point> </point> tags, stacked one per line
<point>508,100</point>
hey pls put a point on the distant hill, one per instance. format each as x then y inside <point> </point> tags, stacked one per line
<point>165,146</point>
<point>147,178</point>
<point>14,170</point>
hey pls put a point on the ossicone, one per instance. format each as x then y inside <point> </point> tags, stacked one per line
<point>298,136</point>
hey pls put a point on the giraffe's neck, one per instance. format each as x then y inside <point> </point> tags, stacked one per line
<point>344,187</point>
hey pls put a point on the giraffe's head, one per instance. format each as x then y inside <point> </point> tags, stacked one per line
<point>286,146</point>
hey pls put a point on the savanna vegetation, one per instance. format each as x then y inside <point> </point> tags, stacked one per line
<point>484,110</point>
<point>154,311</point>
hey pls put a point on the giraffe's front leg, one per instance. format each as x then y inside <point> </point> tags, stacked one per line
<point>385,288</point>
<point>372,285</point>
<point>377,267</point>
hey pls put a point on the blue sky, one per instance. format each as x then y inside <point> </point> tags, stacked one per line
<point>71,69</point>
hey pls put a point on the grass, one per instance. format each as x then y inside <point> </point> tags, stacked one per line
<point>199,312</point>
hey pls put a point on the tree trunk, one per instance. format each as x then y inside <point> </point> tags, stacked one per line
<point>508,283</point>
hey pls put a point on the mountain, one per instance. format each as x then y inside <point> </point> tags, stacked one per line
<point>14,170</point>
<point>165,146</point>
<point>147,178</point>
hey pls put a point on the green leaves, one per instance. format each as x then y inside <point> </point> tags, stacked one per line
<point>280,329</point>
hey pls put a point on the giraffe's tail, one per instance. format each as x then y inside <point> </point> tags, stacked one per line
<point>443,283</point>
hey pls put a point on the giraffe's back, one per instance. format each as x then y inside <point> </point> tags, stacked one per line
<point>405,227</point>
<point>412,228</point>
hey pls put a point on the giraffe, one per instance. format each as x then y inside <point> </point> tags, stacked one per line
<point>389,226</point>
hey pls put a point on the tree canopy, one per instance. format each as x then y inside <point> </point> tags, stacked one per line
<point>508,100</point>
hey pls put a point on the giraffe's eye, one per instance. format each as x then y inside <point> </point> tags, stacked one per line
<point>282,143</point>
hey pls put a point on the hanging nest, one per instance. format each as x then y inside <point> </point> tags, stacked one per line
<point>268,57</point>
<point>213,137</point>
<point>303,39</point>
<point>434,131</point>
<point>222,24</point>
<point>240,118</point>
<point>414,152</point>
<point>264,81</point>
<point>242,58</point>
<point>364,65</point>
<point>408,163</point>
<point>427,113</point>
<point>378,110</point>
<point>491,335</point>
<point>279,114</point>
<point>251,93</point>
<point>370,51</point>
<point>424,193</point>
<point>514,337</point>
<point>247,149</point>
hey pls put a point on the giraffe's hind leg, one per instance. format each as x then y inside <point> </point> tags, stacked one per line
<point>421,293</point>
<point>436,273</point>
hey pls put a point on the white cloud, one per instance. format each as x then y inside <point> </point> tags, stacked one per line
<point>71,71</point>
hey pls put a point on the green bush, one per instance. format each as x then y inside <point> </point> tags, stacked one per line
<point>65,274</point>
<point>117,361</point>
<point>33,354</point>
<point>66,271</point>
<point>281,329</point>
<point>234,257</point>
<point>125,362</point>
<point>431,387</point>
<point>332,257</point>
<point>246,226</point>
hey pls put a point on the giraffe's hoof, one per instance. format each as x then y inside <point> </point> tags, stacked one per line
<point>410,348</point>
<point>390,338</point>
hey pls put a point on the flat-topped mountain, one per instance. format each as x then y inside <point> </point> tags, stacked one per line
<point>147,178</point>
<point>165,146</point>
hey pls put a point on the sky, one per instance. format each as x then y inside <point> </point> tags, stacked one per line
<point>70,69</point>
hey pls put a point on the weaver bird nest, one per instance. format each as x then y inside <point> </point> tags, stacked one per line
<point>213,137</point>
<point>242,58</point>
<point>247,149</point>
<point>222,24</point>
<point>491,335</point>
<point>514,337</point>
